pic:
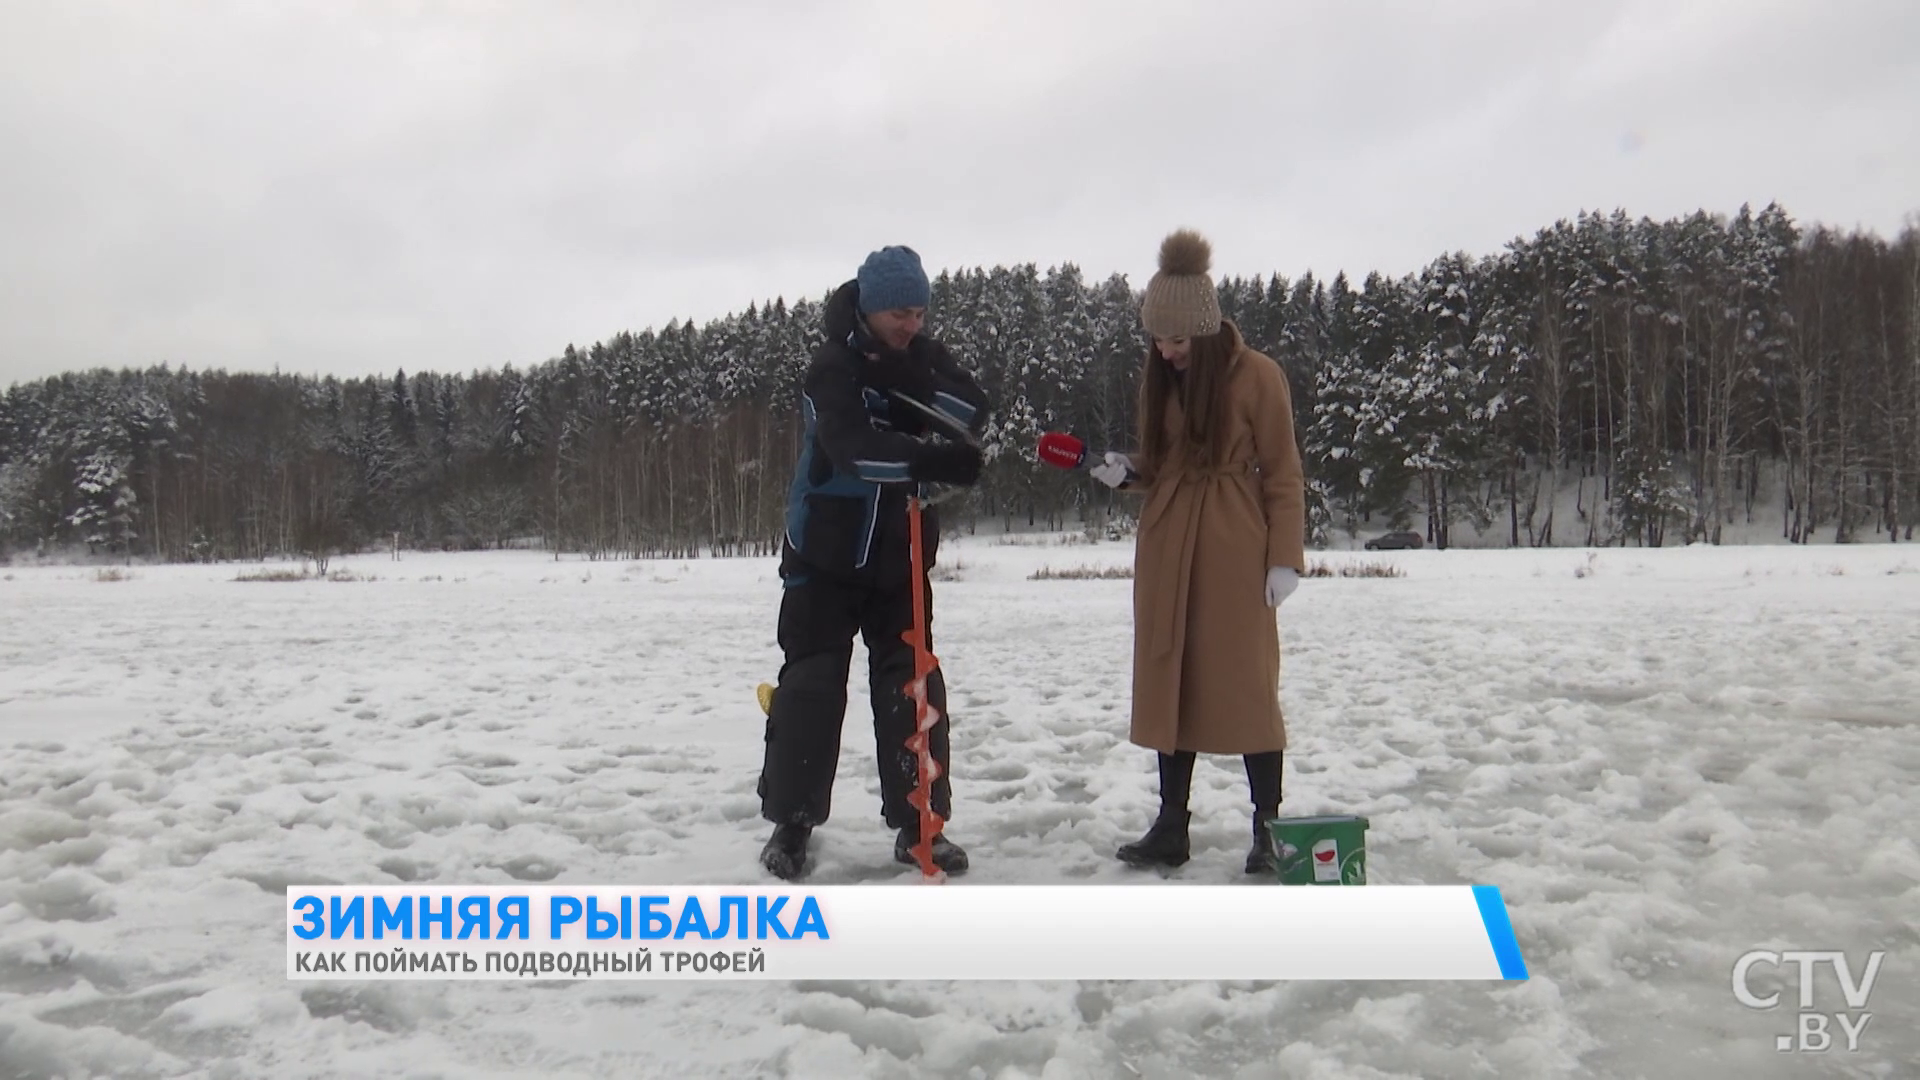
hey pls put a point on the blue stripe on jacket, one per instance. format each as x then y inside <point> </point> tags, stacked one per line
<point>864,485</point>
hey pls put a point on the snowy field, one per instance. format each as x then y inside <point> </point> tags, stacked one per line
<point>1663,758</point>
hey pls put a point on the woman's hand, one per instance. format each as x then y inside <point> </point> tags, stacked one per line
<point>1281,581</point>
<point>1115,470</point>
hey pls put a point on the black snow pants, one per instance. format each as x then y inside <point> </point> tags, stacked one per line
<point>819,617</point>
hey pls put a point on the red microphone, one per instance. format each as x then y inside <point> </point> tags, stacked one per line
<point>1063,451</point>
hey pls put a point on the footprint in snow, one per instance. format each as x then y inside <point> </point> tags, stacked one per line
<point>404,869</point>
<point>530,868</point>
<point>1073,792</point>
<point>375,1006</point>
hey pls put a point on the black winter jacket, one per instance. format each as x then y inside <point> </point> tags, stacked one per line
<point>863,452</point>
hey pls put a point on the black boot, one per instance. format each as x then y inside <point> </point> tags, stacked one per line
<point>947,855</point>
<point>785,855</point>
<point>1166,841</point>
<point>1263,786</point>
<point>1165,844</point>
<point>1263,859</point>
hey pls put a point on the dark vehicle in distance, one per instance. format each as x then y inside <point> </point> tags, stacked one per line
<point>1396,541</point>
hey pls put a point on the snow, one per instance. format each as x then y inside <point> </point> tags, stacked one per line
<point>1664,758</point>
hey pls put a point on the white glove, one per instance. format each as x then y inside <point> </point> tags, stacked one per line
<point>1281,581</point>
<point>1113,469</point>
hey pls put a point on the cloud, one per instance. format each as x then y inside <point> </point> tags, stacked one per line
<point>361,187</point>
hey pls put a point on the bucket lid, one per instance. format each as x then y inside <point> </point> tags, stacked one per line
<point>1324,819</point>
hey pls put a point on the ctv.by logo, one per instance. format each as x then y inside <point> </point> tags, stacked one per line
<point>1814,1034</point>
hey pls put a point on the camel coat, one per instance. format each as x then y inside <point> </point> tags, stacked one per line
<point>1206,652</point>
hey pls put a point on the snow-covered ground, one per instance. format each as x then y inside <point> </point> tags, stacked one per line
<point>1664,759</point>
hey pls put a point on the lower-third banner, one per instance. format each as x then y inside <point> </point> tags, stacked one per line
<point>875,932</point>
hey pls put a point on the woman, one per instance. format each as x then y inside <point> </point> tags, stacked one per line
<point>1221,544</point>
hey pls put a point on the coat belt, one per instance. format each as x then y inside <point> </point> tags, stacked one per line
<point>1174,562</point>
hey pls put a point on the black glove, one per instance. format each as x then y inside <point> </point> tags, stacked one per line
<point>948,463</point>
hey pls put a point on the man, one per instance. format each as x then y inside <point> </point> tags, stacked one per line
<point>845,562</point>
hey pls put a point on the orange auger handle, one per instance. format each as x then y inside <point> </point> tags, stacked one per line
<point>925,716</point>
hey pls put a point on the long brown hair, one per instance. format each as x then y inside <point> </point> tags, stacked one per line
<point>1203,394</point>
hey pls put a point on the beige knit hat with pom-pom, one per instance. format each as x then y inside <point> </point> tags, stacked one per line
<point>1181,301</point>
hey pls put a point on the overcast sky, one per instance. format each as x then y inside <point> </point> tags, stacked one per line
<point>352,188</point>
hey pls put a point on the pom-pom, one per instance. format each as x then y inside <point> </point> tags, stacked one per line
<point>1185,253</point>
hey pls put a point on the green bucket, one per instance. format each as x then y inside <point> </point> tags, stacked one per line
<point>1328,850</point>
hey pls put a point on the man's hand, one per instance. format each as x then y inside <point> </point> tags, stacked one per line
<point>1114,470</point>
<point>1281,581</point>
<point>948,463</point>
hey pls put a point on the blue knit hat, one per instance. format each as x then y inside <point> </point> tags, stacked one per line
<point>892,278</point>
